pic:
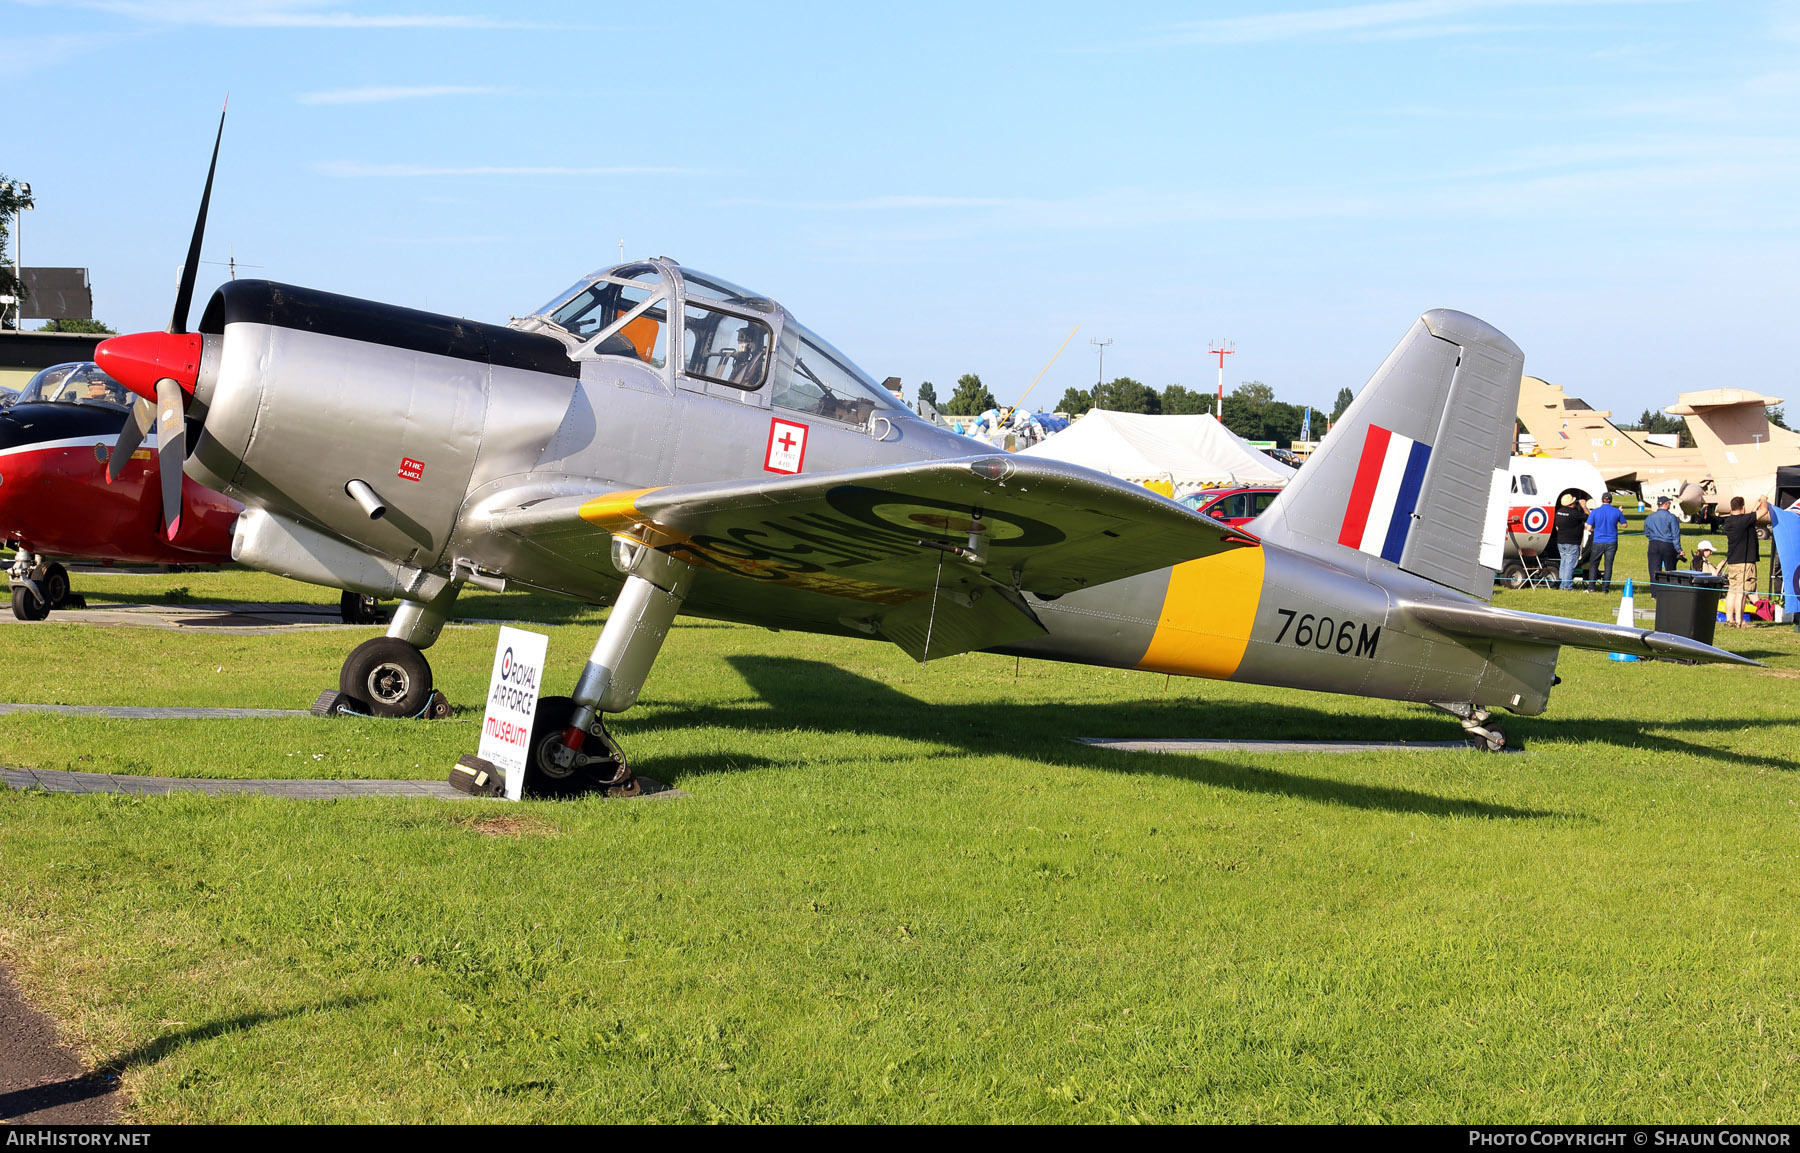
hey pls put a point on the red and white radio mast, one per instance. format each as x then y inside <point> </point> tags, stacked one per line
<point>1221,349</point>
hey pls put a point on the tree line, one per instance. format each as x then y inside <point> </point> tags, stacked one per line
<point>1251,409</point>
<point>11,200</point>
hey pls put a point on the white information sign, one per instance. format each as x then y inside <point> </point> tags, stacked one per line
<point>512,699</point>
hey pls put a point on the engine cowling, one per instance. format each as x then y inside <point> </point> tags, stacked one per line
<point>315,390</point>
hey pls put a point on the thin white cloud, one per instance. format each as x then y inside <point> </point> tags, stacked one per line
<point>1391,20</point>
<point>436,240</point>
<point>352,168</point>
<point>382,95</point>
<point>876,203</point>
<point>22,54</point>
<point>1637,175</point>
<point>285,14</point>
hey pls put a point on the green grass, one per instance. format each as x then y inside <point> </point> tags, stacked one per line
<point>901,893</point>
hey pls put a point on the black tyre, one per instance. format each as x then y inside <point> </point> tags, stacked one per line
<point>1513,576</point>
<point>387,677</point>
<point>56,586</point>
<point>357,609</point>
<point>27,606</point>
<point>545,778</point>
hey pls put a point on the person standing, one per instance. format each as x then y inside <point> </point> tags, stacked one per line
<point>1741,555</point>
<point>1571,526</point>
<point>1606,522</point>
<point>1663,530</point>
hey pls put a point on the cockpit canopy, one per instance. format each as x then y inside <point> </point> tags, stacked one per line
<point>728,340</point>
<point>77,382</point>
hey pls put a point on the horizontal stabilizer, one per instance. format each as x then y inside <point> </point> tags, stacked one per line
<point>1491,623</point>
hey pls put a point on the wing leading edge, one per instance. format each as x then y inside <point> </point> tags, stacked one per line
<point>936,556</point>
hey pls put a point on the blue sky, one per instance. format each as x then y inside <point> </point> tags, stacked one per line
<point>941,189</point>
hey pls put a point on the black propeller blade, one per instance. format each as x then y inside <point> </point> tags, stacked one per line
<point>185,295</point>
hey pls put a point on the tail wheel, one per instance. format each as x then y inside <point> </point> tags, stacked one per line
<point>56,586</point>
<point>27,605</point>
<point>605,769</point>
<point>388,677</point>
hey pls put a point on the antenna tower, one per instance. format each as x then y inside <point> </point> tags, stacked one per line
<point>1221,349</point>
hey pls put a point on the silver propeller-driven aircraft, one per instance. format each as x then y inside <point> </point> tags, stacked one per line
<point>663,441</point>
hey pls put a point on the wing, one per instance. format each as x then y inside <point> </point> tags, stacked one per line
<point>933,555</point>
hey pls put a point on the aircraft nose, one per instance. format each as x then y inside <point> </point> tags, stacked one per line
<point>140,359</point>
<point>12,431</point>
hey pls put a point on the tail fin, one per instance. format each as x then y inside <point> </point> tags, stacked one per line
<point>1415,472</point>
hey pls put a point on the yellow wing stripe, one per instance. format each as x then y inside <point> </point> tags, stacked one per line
<point>1204,626</point>
<point>615,511</point>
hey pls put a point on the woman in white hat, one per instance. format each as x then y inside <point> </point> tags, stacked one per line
<point>1703,559</point>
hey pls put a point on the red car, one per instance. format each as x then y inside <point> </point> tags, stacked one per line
<point>1232,506</point>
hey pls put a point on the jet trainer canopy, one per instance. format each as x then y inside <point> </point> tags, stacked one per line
<point>726,338</point>
<point>77,382</point>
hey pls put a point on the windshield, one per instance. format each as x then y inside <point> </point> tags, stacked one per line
<point>81,382</point>
<point>644,273</point>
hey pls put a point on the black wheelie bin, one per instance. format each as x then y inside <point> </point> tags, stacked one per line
<point>1687,603</point>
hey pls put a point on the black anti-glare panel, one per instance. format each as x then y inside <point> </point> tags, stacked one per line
<point>309,310</point>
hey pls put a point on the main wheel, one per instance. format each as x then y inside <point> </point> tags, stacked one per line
<point>388,677</point>
<point>545,778</point>
<point>1513,576</point>
<point>56,586</point>
<point>26,604</point>
<point>357,609</point>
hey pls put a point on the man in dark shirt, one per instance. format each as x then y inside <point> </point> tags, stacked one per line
<point>1571,520</point>
<point>1663,532</point>
<point>1741,555</point>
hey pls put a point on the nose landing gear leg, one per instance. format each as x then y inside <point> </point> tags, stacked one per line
<point>571,751</point>
<point>389,676</point>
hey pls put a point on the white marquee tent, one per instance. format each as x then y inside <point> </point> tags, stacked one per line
<point>1184,452</point>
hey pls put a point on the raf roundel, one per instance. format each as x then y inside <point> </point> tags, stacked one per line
<point>1537,518</point>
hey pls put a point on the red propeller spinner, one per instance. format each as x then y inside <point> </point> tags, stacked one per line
<point>140,359</point>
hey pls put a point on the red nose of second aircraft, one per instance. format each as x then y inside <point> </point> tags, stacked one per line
<point>140,359</point>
